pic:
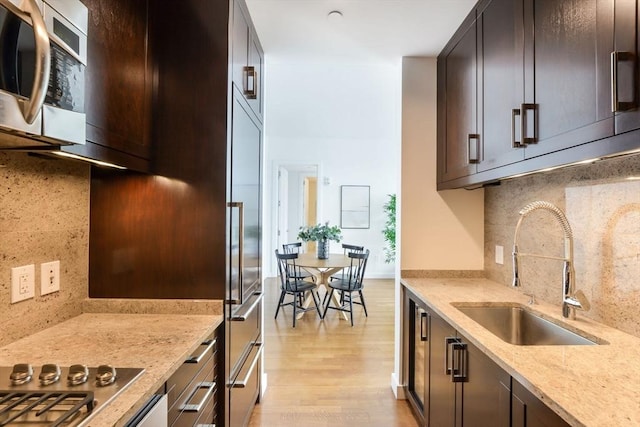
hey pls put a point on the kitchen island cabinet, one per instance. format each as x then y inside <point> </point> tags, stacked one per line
<point>568,381</point>
<point>159,343</point>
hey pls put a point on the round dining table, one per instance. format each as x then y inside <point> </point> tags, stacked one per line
<point>323,269</point>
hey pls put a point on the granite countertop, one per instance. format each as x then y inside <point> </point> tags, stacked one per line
<point>159,343</point>
<point>594,385</point>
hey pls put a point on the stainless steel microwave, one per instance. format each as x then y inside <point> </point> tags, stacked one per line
<point>43,53</point>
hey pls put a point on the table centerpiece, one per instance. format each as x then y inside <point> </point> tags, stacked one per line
<point>321,233</point>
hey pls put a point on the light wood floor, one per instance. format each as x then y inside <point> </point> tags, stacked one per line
<point>327,373</point>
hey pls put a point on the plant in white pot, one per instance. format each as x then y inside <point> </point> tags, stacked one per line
<point>321,233</point>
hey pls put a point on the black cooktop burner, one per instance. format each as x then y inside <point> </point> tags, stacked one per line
<point>58,396</point>
<point>44,408</point>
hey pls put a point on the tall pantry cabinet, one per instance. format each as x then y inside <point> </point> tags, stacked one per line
<point>163,235</point>
<point>166,234</point>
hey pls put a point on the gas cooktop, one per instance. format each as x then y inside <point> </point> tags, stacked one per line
<point>51,395</point>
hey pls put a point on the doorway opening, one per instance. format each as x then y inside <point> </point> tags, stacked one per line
<point>297,202</point>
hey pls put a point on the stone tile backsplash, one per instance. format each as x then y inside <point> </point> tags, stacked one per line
<point>44,216</point>
<point>602,203</point>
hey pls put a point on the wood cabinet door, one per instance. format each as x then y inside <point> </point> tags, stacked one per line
<point>247,59</point>
<point>486,395</point>
<point>240,46</point>
<point>567,73</point>
<point>458,139</point>
<point>527,410</point>
<point>624,62</point>
<point>418,357</point>
<point>256,64</point>
<point>500,27</point>
<point>118,76</point>
<point>442,391</point>
<point>244,222</point>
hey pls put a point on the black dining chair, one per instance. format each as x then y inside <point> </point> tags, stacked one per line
<point>294,248</point>
<point>352,284</point>
<point>347,250</point>
<point>344,273</point>
<point>290,284</point>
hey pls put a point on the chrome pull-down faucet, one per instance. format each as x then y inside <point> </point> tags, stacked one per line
<point>571,300</point>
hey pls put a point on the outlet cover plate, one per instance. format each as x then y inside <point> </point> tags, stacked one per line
<point>49,277</point>
<point>23,283</point>
<point>499,254</point>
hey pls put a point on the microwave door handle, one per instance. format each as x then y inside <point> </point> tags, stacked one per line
<point>32,107</point>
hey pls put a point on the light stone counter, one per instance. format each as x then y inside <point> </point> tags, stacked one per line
<point>159,343</point>
<point>594,386</point>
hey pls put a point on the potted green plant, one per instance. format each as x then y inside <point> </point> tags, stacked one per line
<point>389,230</point>
<point>321,233</point>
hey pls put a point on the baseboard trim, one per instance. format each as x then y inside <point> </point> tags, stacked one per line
<point>397,388</point>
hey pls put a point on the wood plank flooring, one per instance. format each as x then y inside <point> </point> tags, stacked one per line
<point>327,373</point>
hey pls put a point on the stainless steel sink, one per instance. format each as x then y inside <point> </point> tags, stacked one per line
<point>515,324</point>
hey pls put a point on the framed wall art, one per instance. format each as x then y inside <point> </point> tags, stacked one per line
<point>354,206</point>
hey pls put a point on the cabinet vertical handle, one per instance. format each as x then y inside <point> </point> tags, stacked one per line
<point>459,362</point>
<point>448,341</point>
<point>616,105</point>
<point>614,82</point>
<point>424,326</point>
<point>475,159</point>
<point>515,144</point>
<point>250,82</point>
<point>524,108</point>
<point>240,288</point>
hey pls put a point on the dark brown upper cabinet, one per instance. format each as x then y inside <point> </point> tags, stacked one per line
<point>567,74</point>
<point>458,137</point>
<point>501,29</point>
<point>549,83</point>
<point>119,84</point>
<point>625,98</point>
<point>247,59</point>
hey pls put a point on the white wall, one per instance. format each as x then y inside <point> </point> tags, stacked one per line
<point>438,230</point>
<point>442,230</point>
<point>344,117</point>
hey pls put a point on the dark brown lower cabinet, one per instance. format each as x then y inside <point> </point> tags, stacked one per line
<point>418,357</point>
<point>452,383</point>
<point>527,410</point>
<point>194,391</point>
<point>486,394</point>
<point>466,387</point>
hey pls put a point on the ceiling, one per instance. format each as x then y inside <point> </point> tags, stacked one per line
<point>367,30</point>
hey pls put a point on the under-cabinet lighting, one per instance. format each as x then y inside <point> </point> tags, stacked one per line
<point>172,182</point>
<point>581,162</point>
<point>86,159</point>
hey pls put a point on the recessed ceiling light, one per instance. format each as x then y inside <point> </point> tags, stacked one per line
<point>334,15</point>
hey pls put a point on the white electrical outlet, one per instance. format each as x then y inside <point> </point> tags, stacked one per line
<point>23,283</point>
<point>499,254</point>
<point>49,277</point>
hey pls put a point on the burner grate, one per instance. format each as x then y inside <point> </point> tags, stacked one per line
<point>66,405</point>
